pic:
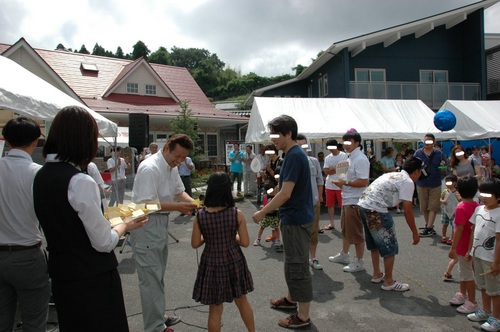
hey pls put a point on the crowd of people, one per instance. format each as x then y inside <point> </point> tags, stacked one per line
<point>81,249</point>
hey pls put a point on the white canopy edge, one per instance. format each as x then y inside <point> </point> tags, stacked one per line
<point>321,118</point>
<point>25,93</point>
<point>476,119</point>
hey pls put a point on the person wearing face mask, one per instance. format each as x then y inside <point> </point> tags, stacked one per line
<point>429,188</point>
<point>158,180</point>
<point>352,185</point>
<point>462,166</point>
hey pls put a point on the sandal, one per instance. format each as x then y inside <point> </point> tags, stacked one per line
<point>449,242</point>
<point>270,238</point>
<point>378,280</point>
<point>329,227</point>
<point>448,277</point>
<point>444,239</point>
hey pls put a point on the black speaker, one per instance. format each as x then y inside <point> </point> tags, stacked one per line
<point>138,130</point>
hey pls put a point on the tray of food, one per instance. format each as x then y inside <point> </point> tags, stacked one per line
<point>131,212</point>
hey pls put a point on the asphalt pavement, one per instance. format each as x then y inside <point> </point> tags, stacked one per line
<point>342,301</point>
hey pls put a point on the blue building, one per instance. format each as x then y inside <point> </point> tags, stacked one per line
<point>434,59</point>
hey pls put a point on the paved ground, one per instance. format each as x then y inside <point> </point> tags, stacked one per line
<point>342,301</point>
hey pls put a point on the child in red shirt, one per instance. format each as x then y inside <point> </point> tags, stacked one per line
<point>466,297</point>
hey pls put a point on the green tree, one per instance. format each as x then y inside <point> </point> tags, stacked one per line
<point>160,56</point>
<point>140,50</point>
<point>98,50</point>
<point>299,69</point>
<point>83,50</point>
<point>184,123</point>
<point>119,53</point>
<point>205,67</point>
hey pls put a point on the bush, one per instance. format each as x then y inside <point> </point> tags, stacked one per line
<point>200,177</point>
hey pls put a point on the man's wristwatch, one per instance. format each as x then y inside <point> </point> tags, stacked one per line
<point>346,183</point>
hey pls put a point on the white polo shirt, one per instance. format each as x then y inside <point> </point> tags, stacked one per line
<point>359,168</point>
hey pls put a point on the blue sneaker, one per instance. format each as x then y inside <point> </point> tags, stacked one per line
<point>478,316</point>
<point>492,324</point>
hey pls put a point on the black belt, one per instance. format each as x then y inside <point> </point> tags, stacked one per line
<point>17,248</point>
<point>185,176</point>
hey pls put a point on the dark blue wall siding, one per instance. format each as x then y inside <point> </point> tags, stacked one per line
<point>459,50</point>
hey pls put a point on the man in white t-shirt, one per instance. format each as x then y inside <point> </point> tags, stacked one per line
<point>352,184</point>
<point>380,234</point>
<point>264,160</point>
<point>116,167</point>
<point>248,175</point>
<point>332,192</point>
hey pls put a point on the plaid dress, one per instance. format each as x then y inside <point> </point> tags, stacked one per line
<point>223,273</point>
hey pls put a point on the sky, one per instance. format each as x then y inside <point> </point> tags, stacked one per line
<point>267,37</point>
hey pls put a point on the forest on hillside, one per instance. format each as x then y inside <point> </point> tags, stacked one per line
<point>218,81</point>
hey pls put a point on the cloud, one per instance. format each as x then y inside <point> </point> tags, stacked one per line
<point>263,36</point>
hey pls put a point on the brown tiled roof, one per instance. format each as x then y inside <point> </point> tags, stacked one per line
<point>67,66</point>
<point>183,85</point>
<point>92,86</point>
<point>3,47</point>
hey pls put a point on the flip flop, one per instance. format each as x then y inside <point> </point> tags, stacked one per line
<point>378,280</point>
<point>329,227</point>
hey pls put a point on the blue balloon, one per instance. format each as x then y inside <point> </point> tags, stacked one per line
<point>445,120</point>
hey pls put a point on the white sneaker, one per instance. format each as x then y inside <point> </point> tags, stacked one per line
<point>355,266</point>
<point>257,242</point>
<point>341,258</point>
<point>315,264</point>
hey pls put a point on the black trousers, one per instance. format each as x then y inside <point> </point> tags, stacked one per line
<point>92,304</point>
<point>186,180</point>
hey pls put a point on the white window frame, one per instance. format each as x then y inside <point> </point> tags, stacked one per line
<point>150,89</point>
<point>370,71</point>
<point>132,88</point>
<point>325,85</point>
<point>216,144</point>
<point>434,73</point>
<point>320,86</point>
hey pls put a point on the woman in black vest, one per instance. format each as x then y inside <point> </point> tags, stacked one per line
<point>86,285</point>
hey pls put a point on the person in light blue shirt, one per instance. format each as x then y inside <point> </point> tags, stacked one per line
<point>185,169</point>
<point>236,157</point>
<point>388,162</point>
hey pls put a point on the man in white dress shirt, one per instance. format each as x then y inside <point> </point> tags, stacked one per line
<point>158,180</point>
<point>20,237</point>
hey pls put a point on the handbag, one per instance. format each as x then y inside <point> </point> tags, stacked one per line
<point>426,169</point>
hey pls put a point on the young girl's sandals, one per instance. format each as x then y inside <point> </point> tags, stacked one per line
<point>448,277</point>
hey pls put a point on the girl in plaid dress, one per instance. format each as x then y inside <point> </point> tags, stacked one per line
<point>223,274</point>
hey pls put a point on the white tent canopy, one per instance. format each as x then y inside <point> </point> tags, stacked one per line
<point>477,119</point>
<point>121,138</point>
<point>319,118</point>
<point>25,93</point>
